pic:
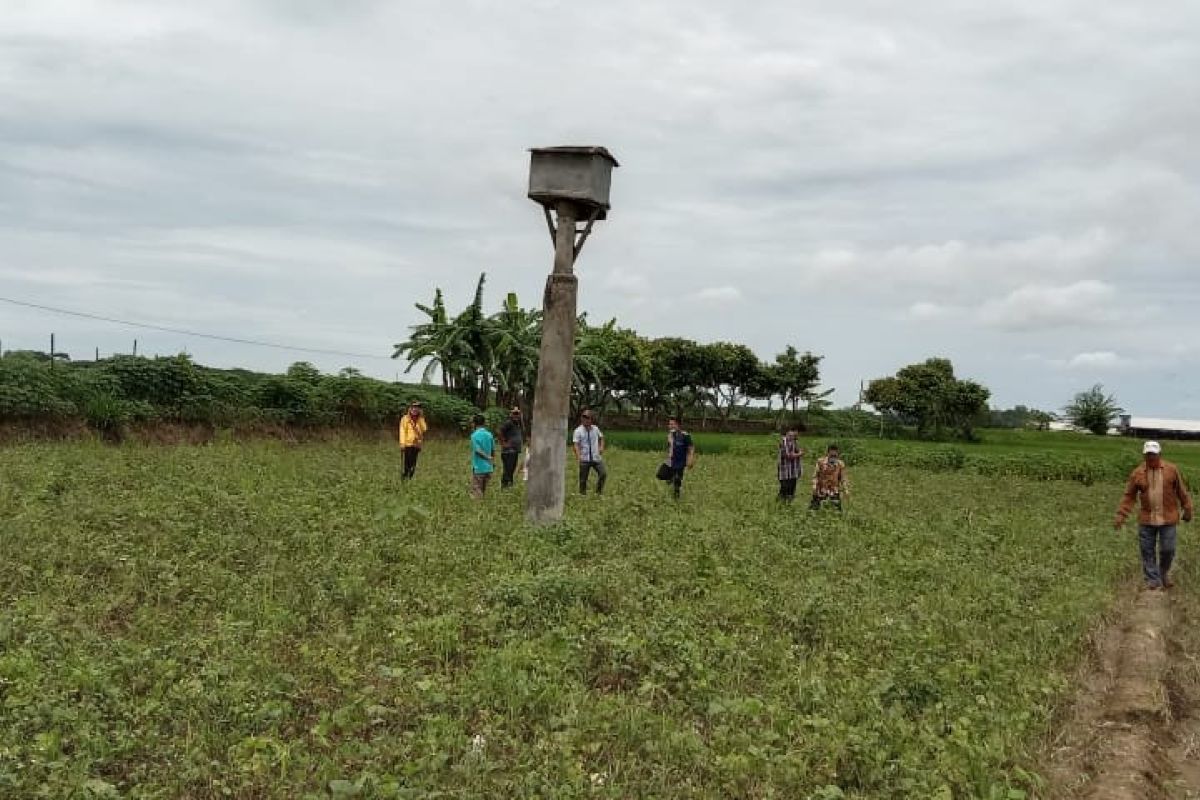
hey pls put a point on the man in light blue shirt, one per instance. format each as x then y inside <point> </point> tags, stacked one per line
<point>483,446</point>
<point>589,450</point>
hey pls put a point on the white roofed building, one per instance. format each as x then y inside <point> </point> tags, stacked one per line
<point>1157,428</point>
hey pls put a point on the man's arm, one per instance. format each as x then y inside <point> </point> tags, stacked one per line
<point>1185,499</point>
<point>691,456</point>
<point>1127,500</point>
<point>600,440</point>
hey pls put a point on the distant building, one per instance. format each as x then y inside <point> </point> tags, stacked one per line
<point>1154,428</point>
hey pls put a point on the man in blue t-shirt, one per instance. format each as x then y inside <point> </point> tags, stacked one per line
<point>483,446</point>
<point>681,453</point>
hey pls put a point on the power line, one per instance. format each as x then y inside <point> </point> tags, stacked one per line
<point>166,329</point>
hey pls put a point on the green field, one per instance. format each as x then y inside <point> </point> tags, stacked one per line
<point>274,621</point>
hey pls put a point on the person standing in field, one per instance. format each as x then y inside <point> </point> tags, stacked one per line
<point>1163,496</point>
<point>483,448</point>
<point>412,437</point>
<point>681,453</point>
<point>790,466</point>
<point>829,481</point>
<point>589,451</point>
<point>512,440</point>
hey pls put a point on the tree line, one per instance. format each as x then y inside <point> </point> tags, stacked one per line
<point>489,361</point>
<point>492,359</point>
<point>113,393</point>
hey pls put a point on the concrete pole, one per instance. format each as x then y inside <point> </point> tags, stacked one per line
<point>546,491</point>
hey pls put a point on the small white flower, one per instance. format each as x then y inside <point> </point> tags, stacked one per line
<point>478,742</point>
<point>597,778</point>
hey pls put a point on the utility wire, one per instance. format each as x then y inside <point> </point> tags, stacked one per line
<point>148,326</point>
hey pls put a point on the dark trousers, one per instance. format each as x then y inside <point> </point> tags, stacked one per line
<point>509,459</point>
<point>410,461</point>
<point>787,489</point>
<point>1156,565</point>
<point>834,500</point>
<point>676,481</point>
<point>585,468</point>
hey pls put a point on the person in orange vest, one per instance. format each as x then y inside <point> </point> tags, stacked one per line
<point>412,437</point>
<point>1164,500</point>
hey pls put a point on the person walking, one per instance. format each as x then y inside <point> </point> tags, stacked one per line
<point>681,453</point>
<point>512,441</point>
<point>412,438</point>
<point>589,451</point>
<point>829,481</point>
<point>483,447</point>
<point>1163,495</point>
<point>790,466</point>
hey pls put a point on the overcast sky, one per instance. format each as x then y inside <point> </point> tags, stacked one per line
<point>1015,187</point>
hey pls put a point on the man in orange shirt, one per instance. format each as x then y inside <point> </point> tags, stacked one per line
<point>1163,496</point>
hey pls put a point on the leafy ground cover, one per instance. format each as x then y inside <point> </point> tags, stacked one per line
<point>273,621</point>
<point>1037,455</point>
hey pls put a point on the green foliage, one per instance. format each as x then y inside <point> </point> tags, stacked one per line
<point>113,393</point>
<point>32,388</point>
<point>930,396</point>
<point>656,441</point>
<point>1019,417</point>
<point>493,359</point>
<point>276,621</point>
<point>1092,410</point>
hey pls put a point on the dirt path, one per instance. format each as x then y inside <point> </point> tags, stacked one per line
<point>1133,732</point>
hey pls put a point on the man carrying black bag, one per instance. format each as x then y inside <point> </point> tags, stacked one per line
<point>681,455</point>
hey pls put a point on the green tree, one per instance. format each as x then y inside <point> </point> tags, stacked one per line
<point>1040,420</point>
<point>516,335</point>
<point>1092,410</point>
<point>929,396</point>
<point>732,372</point>
<point>436,343</point>
<point>611,363</point>
<point>460,348</point>
<point>796,376</point>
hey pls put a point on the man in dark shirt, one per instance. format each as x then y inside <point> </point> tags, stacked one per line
<point>790,467</point>
<point>512,440</point>
<point>681,453</point>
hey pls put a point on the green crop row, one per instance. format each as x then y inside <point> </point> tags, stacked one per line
<point>113,393</point>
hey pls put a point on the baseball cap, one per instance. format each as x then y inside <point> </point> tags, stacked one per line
<point>1152,447</point>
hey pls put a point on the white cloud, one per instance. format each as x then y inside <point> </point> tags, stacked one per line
<point>1100,359</point>
<point>719,294</point>
<point>925,311</point>
<point>957,263</point>
<point>627,283</point>
<point>1035,307</point>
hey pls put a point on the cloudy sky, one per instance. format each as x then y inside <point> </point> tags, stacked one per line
<point>1015,187</point>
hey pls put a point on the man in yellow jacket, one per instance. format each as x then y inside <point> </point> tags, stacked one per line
<point>1163,497</point>
<point>412,437</point>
